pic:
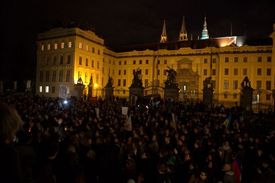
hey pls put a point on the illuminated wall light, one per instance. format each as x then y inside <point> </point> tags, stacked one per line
<point>40,89</point>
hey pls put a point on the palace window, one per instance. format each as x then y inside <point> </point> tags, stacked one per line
<point>54,76</point>
<point>146,71</point>
<point>42,47</point>
<point>124,72</point>
<point>87,62</point>
<point>244,72</point>
<point>205,72</point>
<point>214,72</point>
<point>68,75</point>
<point>214,60</point>
<point>118,82</point>
<point>268,59</point>
<point>226,71</point>
<point>226,59</point>
<point>259,59</point>
<point>165,61</point>
<point>49,46</point>
<point>124,82</point>
<point>236,59</point>
<point>40,89</point>
<point>62,45</point>
<point>259,71</point>
<point>244,59</point>
<point>205,60</point>
<point>226,84</point>
<point>61,60</point>
<point>69,59</point>
<point>61,76</point>
<point>47,89</point>
<point>268,85</point>
<point>80,45</point>
<point>235,72</point>
<point>147,61</point>
<point>80,61</point>
<point>134,62</point>
<point>69,44</point>
<point>235,84</point>
<point>258,84</point>
<point>268,72</point>
<point>140,62</point>
<point>55,46</point>
<point>119,72</point>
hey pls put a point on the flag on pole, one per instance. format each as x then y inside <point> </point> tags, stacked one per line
<point>227,121</point>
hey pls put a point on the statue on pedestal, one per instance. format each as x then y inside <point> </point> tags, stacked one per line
<point>246,94</point>
<point>171,78</point>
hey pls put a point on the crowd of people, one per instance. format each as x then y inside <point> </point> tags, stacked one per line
<point>52,140</point>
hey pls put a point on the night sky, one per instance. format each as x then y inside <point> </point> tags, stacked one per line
<point>122,22</point>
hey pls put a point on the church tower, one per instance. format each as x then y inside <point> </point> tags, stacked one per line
<point>163,37</point>
<point>183,32</point>
<point>204,34</point>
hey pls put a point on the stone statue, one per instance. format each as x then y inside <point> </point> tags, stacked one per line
<point>110,83</point>
<point>207,83</point>
<point>171,78</point>
<point>137,82</point>
<point>246,83</point>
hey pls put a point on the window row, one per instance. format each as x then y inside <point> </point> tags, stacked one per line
<point>245,59</point>
<point>236,84</point>
<point>61,59</point>
<point>140,62</point>
<point>47,89</point>
<point>88,48</point>
<point>86,62</point>
<point>236,72</point>
<point>56,46</point>
<point>55,76</point>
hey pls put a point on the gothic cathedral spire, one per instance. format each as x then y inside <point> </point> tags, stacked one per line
<point>183,32</point>
<point>204,34</point>
<point>163,37</point>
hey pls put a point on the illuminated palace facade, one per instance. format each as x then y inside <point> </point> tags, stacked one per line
<point>66,54</point>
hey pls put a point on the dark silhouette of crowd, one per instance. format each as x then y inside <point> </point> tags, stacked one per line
<point>155,142</point>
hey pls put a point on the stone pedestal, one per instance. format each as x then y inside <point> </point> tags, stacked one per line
<point>207,96</point>
<point>171,93</point>
<point>109,92</point>
<point>246,98</point>
<point>78,91</point>
<point>135,94</point>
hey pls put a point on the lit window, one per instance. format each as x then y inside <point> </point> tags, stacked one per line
<point>40,89</point>
<point>70,44</point>
<point>80,45</point>
<point>47,89</point>
<point>87,47</point>
<point>55,46</point>
<point>62,45</point>
<point>42,47</point>
<point>49,46</point>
